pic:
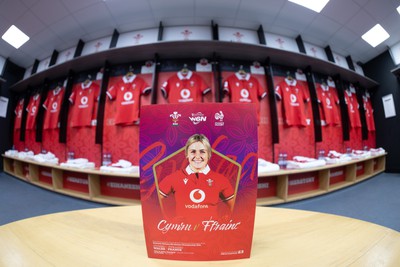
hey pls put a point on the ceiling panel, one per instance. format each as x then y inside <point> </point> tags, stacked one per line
<point>294,17</point>
<point>94,17</point>
<point>168,10</point>
<point>59,24</point>
<point>131,11</point>
<point>12,10</point>
<point>379,11</point>
<point>361,22</point>
<point>343,38</point>
<point>322,28</point>
<point>68,29</point>
<point>340,11</point>
<point>58,11</point>
<point>75,5</point>
<point>222,10</point>
<point>261,12</point>
<point>30,24</point>
<point>28,3</point>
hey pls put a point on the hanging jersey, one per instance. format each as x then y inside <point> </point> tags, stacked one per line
<point>293,96</point>
<point>329,101</point>
<point>18,114</point>
<point>187,88</point>
<point>352,109</point>
<point>32,111</point>
<point>127,95</point>
<point>196,195</point>
<point>52,105</point>
<point>83,100</point>
<point>369,114</point>
<point>244,89</point>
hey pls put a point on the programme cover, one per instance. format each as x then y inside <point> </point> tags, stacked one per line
<point>198,180</point>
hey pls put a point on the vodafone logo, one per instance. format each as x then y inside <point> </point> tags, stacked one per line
<point>33,110</point>
<point>84,100</point>
<point>185,93</point>
<point>244,93</point>
<point>293,98</point>
<point>54,106</point>
<point>328,102</point>
<point>128,96</point>
<point>197,195</point>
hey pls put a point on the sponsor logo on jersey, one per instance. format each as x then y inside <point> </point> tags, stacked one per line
<point>128,99</point>
<point>185,96</point>
<point>84,102</point>
<point>244,94</point>
<point>197,196</point>
<point>54,107</point>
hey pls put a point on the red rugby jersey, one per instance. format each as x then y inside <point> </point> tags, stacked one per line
<point>127,93</point>
<point>180,88</point>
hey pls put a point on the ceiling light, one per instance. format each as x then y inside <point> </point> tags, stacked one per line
<point>15,37</point>
<point>316,5</point>
<point>376,35</point>
<point>398,9</point>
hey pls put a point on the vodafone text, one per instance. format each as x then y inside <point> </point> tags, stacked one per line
<point>206,226</point>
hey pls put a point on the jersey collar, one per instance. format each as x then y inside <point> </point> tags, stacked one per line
<point>57,90</point>
<point>185,77</point>
<point>87,85</point>
<point>292,82</point>
<point>325,87</point>
<point>128,80</point>
<point>205,171</point>
<point>243,77</point>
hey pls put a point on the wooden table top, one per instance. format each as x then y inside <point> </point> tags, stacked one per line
<point>114,237</point>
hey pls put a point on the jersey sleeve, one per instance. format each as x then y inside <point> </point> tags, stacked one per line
<point>278,91</point>
<point>306,93</point>
<point>112,92</point>
<point>227,88</point>
<point>72,97</point>
<point>165,88</point>
<point>144,87</point>
<point>226,190</point>
<point>165,187</point>
<point>46,103</point>
<point>261,91</point>
<point>204,88</point>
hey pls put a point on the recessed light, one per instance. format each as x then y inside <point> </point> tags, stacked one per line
<point>376,35</point>
<point>315,5</point>
<point>15,37</point>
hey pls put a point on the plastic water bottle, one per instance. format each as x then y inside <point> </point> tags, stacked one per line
<point>106,159</point>
<point>70,155</point>
<point>321,154</point>
<point>282,160</point>
<point>285,158</point>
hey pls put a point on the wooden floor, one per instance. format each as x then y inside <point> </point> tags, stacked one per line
<point>114,237</point>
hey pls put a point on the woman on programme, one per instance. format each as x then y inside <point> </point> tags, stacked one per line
<point>197,189</point>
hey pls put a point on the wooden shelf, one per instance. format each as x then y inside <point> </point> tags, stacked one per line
<point>192,49</point>
<point>305,195</point>
<point>278,187</point>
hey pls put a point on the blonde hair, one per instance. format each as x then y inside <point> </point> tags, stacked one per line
<point>198,138</point>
